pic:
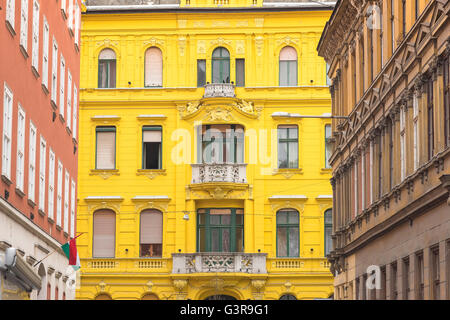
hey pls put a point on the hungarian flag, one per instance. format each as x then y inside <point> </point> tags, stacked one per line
<point>70,249</point>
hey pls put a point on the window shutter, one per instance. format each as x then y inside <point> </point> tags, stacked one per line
<point>106,143</point>
<point>104,234</point>
<point>151,227</point>
<point>62,86</point>
<point>10,12</point>
<point>153,67</point>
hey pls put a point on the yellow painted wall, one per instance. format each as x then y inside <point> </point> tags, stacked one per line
<point>257,36</point>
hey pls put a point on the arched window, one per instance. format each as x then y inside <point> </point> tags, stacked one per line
<point>151,233</point>
<point>288,67</point>
<point>153,67</point>
<point>107,69</point>
<point>220,65</point>
<point>288,237</point>
<point>104,241</point>
<point>288,297</point>
<point>328,227</point>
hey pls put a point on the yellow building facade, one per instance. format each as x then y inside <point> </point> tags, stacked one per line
<point>202,153</point>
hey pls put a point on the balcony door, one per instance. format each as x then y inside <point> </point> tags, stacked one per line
<point>223,143</point>
<point>220,230</point>
<point>220,65</point>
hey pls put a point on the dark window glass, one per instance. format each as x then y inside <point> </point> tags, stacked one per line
<point>201,73</point>
<point>328,221</point>
<point>240,72</point>
<point>430,113</point>
<point>151,147</point>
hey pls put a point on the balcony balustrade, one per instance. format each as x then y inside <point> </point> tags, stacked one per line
<point>226,172</point>
<point>253,263</point>
<point>222,90</point>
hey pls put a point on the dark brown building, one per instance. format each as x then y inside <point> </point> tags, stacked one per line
<point>389,65</point>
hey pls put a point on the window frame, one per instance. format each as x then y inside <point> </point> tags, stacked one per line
<point>208,227</point>
<point>151,211</point>
<point>106,129</point>
<point>42,170</point>
<point>109,63</point>
<point>240,78</point>
<point>152,128</point>
<point>288,141</point>
<point>288,226</point>
<point>7,131</point>
<point>32,163</point>
<point>289,67</point>
<point>330,226</point>
<point>221,60</point>
<point>21,138</point>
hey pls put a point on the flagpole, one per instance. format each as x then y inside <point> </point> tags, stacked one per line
<point>54,251</point>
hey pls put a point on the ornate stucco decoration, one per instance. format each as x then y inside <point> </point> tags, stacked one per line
<point>258,285</point>
<point>288,41</point>
<point>154,41</point>
<point>149,286</point>
<point>259,22</point>
<point>217,191</point>
<point>288,202</point>
<point>221,41</point>
<point>103,202</point>
<point>240,47</point>
<point>182,40</point>
<point>325,201</point>
<point>218,114</point>
<point>151,174</point>
<point>108,43</point>
<point>160,203</point>
<point>259,44</point>
<point>201,46</point>
<point>189,110</point>
<point>180,284</point>
<point>287,173</point>
<point>105,174</point>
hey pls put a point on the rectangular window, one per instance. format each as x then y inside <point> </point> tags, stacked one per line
<point>240,72</point>
<point>383,283</point>
<point>66,202</point>
<point>63,7</point>
<point>59,194</point>
<point>288,73</point>
<point>371,160</point>
<point>70,15</point>
<point>62,86</point>
<point>69,99</point>
<point>287,146</point>
<point>380,165</point>
<point>420,276</point>
<point>446,66</point>
<point>10,12</point>
<point>72,208</point>
<point>35,53</point>
<point>54,72</point>
<point>403,19</point>
<point>24,25</point>
<point>405,276</point>
<point>20,149</point>
<point>430,114</point>
<point>403,143</point>
<point>7,131</point>
<point>32,163</point>
<point>392,25</point>
<point>394,290</point>
<point>201,73</point>
<point>51,184</point>
<point>106,148</point>
<point>328,150</point>
<point>391,154</point>
<point>151,147</point>
<point>77,23</point>
<point>42,162</point>
<point>45,49</point>
<point>75,111</point>
<point>416,131</point>
<point>435,273</point>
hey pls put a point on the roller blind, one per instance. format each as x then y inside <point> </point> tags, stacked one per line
<point>152,136</point>
<point>106,145</point>
<point>104,234</point>
<point>153,68</point>
<point>151,227</point>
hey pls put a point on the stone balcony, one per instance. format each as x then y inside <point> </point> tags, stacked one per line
<point>216,172</point>
<point>219,90</point>
<point>205,262</point>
